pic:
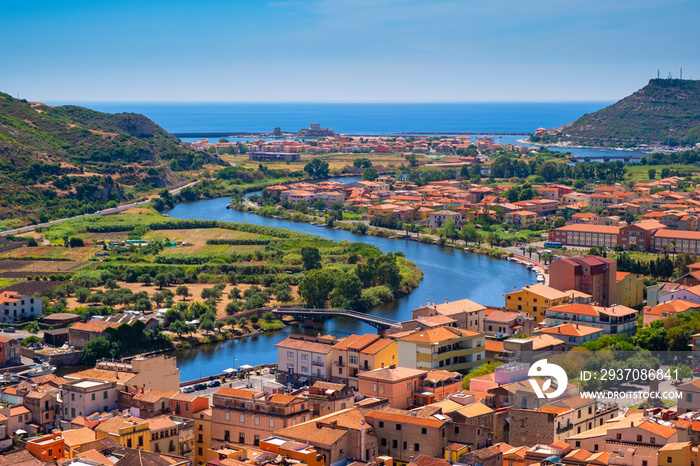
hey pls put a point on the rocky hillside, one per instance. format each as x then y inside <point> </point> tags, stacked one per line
<point>664,112</point>
<point>59,161</point>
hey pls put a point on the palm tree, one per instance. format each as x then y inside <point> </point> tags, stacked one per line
<point>673,243</point>
<point>530,250</point>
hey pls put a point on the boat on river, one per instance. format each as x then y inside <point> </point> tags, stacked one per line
<point>41,369</point>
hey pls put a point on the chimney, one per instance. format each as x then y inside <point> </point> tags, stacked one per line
<point>559,329</point>
<point>515,288</point>
<point>382,365</point>
<point>362,441</point>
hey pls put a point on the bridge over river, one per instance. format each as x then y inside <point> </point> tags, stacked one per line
<point>380,323</point>
<point>605,157</point>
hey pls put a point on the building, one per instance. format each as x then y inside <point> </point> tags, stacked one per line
<point>521,218</point>
<point>10,349</point>
<point>612,320</point>
<point>638,236</point>
<point>146,372</point>
<point>127,431</point>
<point>396,384</point>
<point>667,309</point>
<point>164,436</point>
<point>676,241</point>
<point>439,218</point>
<point>202,432</point>
<point>187,404</point>
<point>47,448</point>
<point>630,289</point>
<point>596,276</point>
<point>358,353</point>
<point>327,398</point>
<point>61,319</point>
<point>145,404</point>
<point>404,437</point>
<point>304,359</point>
<point>84,397</point>
<point>534,299</point>
<point>678,453</point>
<point>508,323</point>
<point>448,348</point>
<point>581,235</point>
<point>573,334</point>
<point>15,307</point>
<point>468,314</point>
<point>337,437</point>
<point>246,416</point>
<point>303,452</point>
<point>75,439</point>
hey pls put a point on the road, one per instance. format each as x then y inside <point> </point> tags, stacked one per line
<point>113,210</point>
<point>255,382</point>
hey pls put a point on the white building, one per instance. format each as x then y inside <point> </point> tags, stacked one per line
<point>304,359</point>
<point>15,307</point>
<point>85,397</point>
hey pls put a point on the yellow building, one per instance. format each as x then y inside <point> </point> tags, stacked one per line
<point>128,431</point>
<point>359,353</point>
<point>455,451</point>
<point>678,453</point>
<point>202,437</point>
<point>534,299</point>
<point>447,348</point>
<point>630,289</point>
<point>521,218</point>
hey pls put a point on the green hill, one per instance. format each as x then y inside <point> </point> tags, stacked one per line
<point>60,161</point>
<point>664,112</point>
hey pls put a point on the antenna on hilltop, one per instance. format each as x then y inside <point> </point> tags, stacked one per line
<point>658,73</point>
<point>681,72</point>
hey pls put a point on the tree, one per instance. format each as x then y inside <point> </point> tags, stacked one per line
<point>362,163</point>
<point>412,159</point>
<point>82,295</point>
<point>559,222</point>
<point>145,279</point>
<point>206,324</point>
<point>99,348</point>
<point>183,291</point>
<point>32,328</point>
<point>311,257</point>
<point>665,172</point>
<point>369,174</point>
<point>469,233</point>
<point>317,168</point>
<point>652,173</point>
<point>162,280</point>
<point>680,372</point>
<point>179,327</point>
<point>315,287</point>
<point>111,284</point>
<point>218,324</point>
<point>530,250</point>
<point>347,292</point>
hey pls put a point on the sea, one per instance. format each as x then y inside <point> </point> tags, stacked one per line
<point>359,118</point>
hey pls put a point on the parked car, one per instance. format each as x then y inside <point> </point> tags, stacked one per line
<point>199,386</point>
<point>214,383</point>
<point>10,330</point>
<point>188,390</point>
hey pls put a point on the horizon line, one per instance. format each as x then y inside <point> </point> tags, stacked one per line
<point>452,102</point>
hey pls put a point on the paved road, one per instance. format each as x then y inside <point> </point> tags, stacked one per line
<point>113,210</point>
<point>255,382</point>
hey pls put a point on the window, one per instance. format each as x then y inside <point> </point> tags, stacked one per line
<point>290,354</point>
<point>353,359</point>
<point>128,443</point>
<point>257,420</point>
<point>456,430</point>
<point>423,431</point>
<point>578,444</point>
<point>618,436</point>
<point>383,442</point>
<point>652,439</point>
<point>199,450</point>
<point>304,357</point>
<point>394,444</point>
<point>272,423</point>
<point>688,397</point>
<point>381,424</point>
<point>72,396</point>
<point>639,438</point>
<point>227,435</point>
<point>200,438</point>
<point>93,397</point>
<point>140,440</point>
<point>416,447</point>
<point>104,395</point>
<point>241,437</point>
<point>227,416</point>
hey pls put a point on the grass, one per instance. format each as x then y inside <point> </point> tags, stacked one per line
<point>641,172</point>
<point>9,281</point>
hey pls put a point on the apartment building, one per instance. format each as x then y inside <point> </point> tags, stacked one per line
<point>85,397</point>
<point>534,299</point>
<point>630,289</point>
<point>147,372</point>
<point>202,432</point>
<point>404,437</point>
<point>573,334</point>
<point>508,323</point>
<point>448,348</point>
<point>395,383</point>
<point>639,236</point>
<point>676,241</point>
<point>593,275</point>
<point>468,314</point>
<point>246,416</point>
<point>303,359</point>
<point>127,431</point>
<point>15,307</point>
<point>612,319</point>
<point>358,353</point>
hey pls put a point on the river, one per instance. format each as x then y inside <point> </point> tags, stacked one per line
<point>448,274</point>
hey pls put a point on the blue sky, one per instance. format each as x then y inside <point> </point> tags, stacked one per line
<point>343,50</point>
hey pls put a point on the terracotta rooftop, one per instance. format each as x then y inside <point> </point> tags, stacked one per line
<point>236,392</point>
<point>405,419</point>
<point>575,330</point>
<point>392,374</point>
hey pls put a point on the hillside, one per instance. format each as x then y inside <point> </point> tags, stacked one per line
<point>664,112</point>
<point>59,161</point>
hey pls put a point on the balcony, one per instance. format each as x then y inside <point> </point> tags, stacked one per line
<point>318,363</point>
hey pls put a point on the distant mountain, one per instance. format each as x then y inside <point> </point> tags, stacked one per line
<point>55,161</point>
<point>664,112</point>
